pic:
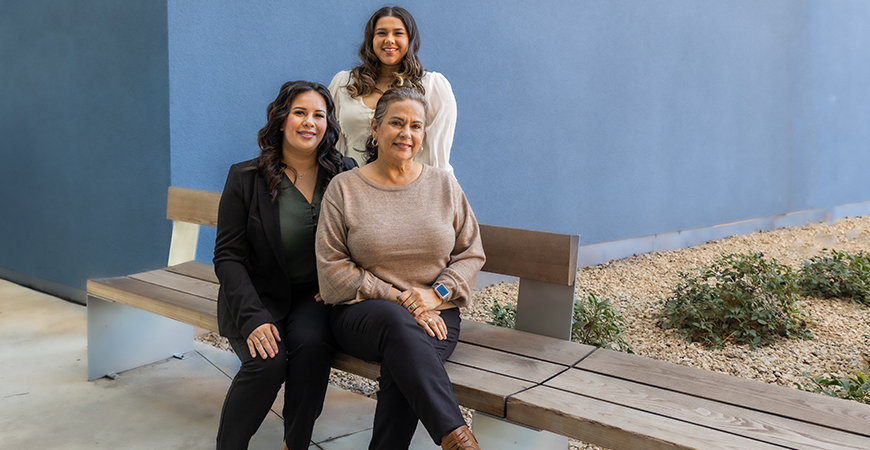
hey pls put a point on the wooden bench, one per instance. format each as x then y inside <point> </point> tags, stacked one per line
<point>615,400</point>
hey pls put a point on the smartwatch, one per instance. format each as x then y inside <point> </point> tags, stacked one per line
<point>441,291</point>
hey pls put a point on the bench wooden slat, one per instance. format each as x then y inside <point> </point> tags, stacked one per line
<point>192,206</point>
<point>787,402</point>
<point>534,255</point>
<point>712,414</point>
<point>496,362</point>
<point>178,282</point>
<point>530,345</point>
<point>473,387</point>
<point>195,269</point>
<point>616,427</point>
<point>173,304</point>
<point>481,390</point>
<point>356,366</point>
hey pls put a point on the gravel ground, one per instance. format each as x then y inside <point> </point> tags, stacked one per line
<point>634,285</point>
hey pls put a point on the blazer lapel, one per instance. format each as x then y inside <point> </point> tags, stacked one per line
<point>270,217</point>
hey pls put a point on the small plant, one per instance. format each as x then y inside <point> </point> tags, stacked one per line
<point>856,388</point>
<point>502,315</point>
<point>596,323</point>
<point>836,274</point>
<point>739,299</point>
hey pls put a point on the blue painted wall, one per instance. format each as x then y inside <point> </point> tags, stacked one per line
<point>611,119</point>
<point>84,140</point>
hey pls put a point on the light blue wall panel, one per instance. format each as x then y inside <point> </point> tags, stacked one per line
<point>840,101</point>
<point>84,139</point>
<point>612,119</point>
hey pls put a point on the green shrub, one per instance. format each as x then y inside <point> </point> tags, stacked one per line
<point>502,315</point>
<point>836,274</point>
<point>740,298</point>
<point>856,388</point>
<point>596,323</point>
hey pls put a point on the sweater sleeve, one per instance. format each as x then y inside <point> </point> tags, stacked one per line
<point>341,280</point>
<point>442,123</point>
<point>467,257</point>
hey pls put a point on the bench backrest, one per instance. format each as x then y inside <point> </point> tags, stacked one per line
<point>545,263</point>
<point>533,255</point>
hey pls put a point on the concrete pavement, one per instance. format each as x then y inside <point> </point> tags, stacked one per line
<point>46,401</point>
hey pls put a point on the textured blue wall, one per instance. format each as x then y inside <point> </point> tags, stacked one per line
<point>838,131</point>
<point>84,139</point>
<point>611,119</point>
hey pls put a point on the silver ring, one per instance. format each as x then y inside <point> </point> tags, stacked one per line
<point>412,307</point>
<point>429,321</point>
<point>262,338</point>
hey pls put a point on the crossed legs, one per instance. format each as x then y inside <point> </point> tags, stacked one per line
<point>413,383</point>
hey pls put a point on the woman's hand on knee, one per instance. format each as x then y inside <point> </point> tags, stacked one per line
<point>263,340</point>
<point>433,324</point>
<point>419,300</point>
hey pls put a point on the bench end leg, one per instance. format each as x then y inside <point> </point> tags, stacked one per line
<point>121,337</point>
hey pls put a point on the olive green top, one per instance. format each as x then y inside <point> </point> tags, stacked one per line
<point>298,227</point>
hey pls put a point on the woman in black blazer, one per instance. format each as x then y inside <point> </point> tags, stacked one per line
<point>264,259</point>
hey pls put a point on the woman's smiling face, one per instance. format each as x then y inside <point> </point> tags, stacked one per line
<point>390,42</point>
<point>305,124</point>
<point>401,131</point>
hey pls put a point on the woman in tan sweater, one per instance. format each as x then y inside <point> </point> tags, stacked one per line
<point>398,249</point>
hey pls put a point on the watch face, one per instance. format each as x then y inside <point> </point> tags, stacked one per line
<point>442,291</point>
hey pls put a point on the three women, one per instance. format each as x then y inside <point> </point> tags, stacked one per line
<point>268,303</point>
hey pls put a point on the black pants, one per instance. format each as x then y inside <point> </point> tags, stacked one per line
<point>303,360</point>
<point>413,383</point>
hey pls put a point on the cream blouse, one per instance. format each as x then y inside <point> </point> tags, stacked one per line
<point>355,118</point>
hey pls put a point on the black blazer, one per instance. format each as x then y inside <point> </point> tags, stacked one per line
<point>249,255</point>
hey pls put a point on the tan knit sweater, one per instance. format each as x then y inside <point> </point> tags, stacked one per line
<point>371,237</point>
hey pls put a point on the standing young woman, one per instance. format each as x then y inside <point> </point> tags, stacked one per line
<point>264,259</point>
<point>389,59</point>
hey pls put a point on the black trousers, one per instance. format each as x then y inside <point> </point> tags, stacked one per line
<point>303,360</point>
<point>413,383</point>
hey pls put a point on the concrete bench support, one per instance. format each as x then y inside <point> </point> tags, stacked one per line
<point>121,337</point>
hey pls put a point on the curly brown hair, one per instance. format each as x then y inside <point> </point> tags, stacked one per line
<point>270,138</point>
<point>410,73</point>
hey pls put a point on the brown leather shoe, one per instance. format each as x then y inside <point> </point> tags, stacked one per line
<point>459,439</point>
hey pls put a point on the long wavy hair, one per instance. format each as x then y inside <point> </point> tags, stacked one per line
<point>270,138</point>
<point>391,96</point>
<point>364,77</point>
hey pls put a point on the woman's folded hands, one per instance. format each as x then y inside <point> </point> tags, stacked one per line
<point>421,303</point>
